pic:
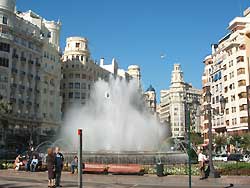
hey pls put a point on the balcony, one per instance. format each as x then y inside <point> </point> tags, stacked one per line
<point>20,101</point>
<point>31,62</point>
<point>29,103</point>
<point>23,73</point>
<point>38,64</point>
<point>14,70</point>
<point>15,56</point>
<point>14,85</point>
<point>21,87</point>
<point>38,78</point>
<point>23,59</point>
<point>30,75</point>
<point>30,89</point>
<point>13,100</point>
<point>240,59</point>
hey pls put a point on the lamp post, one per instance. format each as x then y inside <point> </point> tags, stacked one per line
<point>188,109</point>
<point>213,173</point>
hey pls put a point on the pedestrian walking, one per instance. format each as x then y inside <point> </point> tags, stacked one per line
<point>201,159</point>
<point>59,166</point>
<point>51,167</point>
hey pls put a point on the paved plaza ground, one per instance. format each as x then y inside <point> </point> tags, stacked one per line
<point>20,179</point>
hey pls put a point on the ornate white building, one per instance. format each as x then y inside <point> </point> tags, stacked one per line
<point>29,73</point>
<point>174,104</point>
<point>79,72</point>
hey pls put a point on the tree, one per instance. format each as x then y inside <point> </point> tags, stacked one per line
<point>196,138</point>
<point>245,141</point>
<point>220,140</point>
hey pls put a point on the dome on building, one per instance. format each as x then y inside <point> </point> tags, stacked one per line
<point>150,88</point>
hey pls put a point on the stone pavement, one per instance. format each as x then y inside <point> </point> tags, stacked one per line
<point>14,179</point>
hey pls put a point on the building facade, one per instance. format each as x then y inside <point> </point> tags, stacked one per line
<point>29,65</point>
<point>175,102</point>
<point>226,73</point>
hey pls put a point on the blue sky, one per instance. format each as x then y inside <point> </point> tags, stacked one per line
<point>139,31</point>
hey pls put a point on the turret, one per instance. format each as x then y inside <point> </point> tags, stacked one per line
<point>8,5</point>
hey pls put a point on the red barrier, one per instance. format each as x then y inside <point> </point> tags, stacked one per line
<point>125,169</point>
<point>95,168</point>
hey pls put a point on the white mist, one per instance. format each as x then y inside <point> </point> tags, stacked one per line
<point>114,119</point>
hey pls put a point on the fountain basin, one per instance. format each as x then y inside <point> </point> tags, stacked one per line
<point>130,157</point>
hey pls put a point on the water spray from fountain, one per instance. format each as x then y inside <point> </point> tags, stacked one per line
<point>114,119</point>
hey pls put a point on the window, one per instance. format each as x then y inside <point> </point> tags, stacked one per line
<point>233,109</point>
<point>230,63</point>
<point>225,78</point>
<point>83,85</point>
<point>234,121</point>
<point>232,98</point>
<point>84,76</point>
<point>240,59</point>
<point>240,71</point>
<point>243,120</point>
<point>231,74</point>
<point>77,75</point>
<point>243,107</point>
<point>4,62</point>
<point>242,83</point>
<point>71,75</point>
<point>5,20</point>
<point>225,89</point>
<point>70,95</point>
<point>77,45</point>
<point>217,99</point>
<point>77,85</point>
<point>83,95</point>
<point>4,47</point>
<point>242,95</point>
<point>77,95</point>
<point>225,67</point>
<point>89,86</point>
<point>70,85</point>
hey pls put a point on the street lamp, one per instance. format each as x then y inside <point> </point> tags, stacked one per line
<point>188,109</point>
<point>213,173</point>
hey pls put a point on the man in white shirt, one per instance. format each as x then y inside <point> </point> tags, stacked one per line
<point>201,159</point>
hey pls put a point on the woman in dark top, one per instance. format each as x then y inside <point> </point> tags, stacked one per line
<point>51,167</point>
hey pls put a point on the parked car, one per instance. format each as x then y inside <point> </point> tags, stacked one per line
<point>246,158</point>
<point>235,157</point>
<point>220,157</point>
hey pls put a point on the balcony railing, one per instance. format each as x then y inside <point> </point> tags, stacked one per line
<point>31,62</point>
<point>23,59</point>
<point>14,70</point>
<point>15,56</point>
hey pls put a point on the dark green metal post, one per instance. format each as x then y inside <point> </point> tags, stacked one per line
<point>189,150</point>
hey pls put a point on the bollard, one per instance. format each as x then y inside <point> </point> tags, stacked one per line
<point>79,158</point>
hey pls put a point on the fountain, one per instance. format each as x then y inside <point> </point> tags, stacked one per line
<point>117,127</point>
